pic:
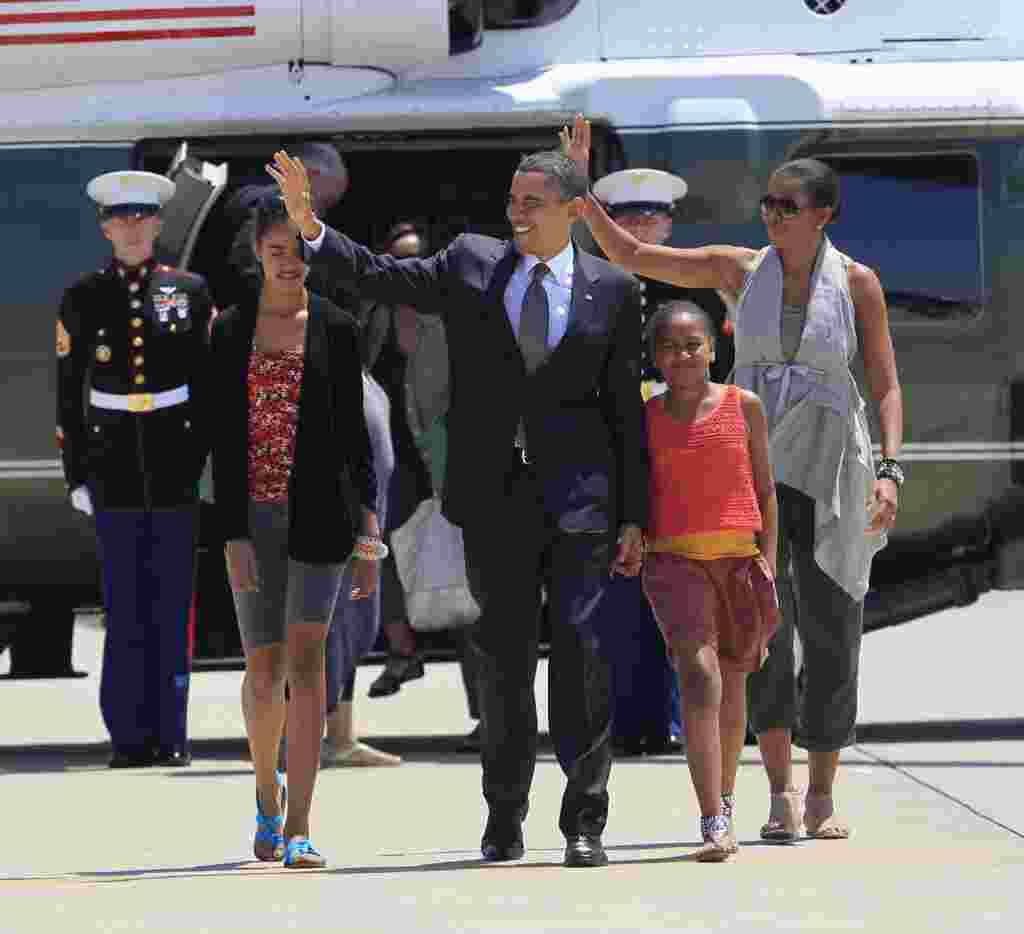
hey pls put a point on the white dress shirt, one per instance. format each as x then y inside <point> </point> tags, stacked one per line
<point>557,286</point>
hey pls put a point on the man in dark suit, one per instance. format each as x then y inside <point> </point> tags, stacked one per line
<point>546,473</point>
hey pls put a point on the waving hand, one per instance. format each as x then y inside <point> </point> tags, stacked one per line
<point>576,145</point>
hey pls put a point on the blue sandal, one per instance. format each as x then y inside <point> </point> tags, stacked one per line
<point>268,843</point>
<point>300,854</point>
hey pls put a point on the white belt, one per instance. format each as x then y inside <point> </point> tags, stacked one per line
<point>138,401</point>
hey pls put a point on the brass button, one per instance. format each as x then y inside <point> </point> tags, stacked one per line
<point>133,286</point>
<point>136,322</point>
<point>102,332</point>
<point>139,379</point>
<point>174,327</point>
<point>136,303</point>
<point>137,342</point>
<point>138,361</point>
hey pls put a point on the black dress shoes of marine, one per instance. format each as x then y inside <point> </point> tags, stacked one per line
<point>502,842</point>
<point>174,757</point>
<point>132,757</point>
<point>398,670</point>
<point>585,850</point>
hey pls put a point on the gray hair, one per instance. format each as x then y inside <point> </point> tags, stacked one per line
<point>558,168</point>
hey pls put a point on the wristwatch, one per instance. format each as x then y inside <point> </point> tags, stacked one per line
<point>888,469</point>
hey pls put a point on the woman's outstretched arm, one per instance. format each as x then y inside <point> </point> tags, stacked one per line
<point>706,267</point>
<point>709,267</point>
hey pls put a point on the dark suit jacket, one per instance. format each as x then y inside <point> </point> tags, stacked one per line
<point>581,408</point>
<point>332,472</point>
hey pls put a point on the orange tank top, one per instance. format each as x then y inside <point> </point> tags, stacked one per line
<point>701,478</point>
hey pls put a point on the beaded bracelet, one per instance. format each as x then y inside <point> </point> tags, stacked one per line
<point>370,549</point>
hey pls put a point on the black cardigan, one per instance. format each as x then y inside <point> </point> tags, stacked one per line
<point>332,472</point>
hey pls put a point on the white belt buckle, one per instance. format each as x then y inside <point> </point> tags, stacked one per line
<point>138,403</point>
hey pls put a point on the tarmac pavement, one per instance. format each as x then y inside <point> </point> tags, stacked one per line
<point>938,843</point>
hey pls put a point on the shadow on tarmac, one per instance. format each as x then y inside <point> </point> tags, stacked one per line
<point>254,868</point>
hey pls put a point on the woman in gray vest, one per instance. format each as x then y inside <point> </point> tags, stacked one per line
<point>804,312</point>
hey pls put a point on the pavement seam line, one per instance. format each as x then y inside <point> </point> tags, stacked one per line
<point>945,794</point>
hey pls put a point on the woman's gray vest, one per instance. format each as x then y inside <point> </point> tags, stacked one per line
<point>818,430</point>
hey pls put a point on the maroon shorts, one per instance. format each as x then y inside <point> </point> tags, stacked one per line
<point>728,603</point>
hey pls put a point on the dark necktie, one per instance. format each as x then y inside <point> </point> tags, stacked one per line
<point>533,320</point>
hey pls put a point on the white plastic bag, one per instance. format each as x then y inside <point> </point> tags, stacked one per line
<point>432,568</point>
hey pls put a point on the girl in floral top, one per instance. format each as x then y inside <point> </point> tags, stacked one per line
<point>296,494</point>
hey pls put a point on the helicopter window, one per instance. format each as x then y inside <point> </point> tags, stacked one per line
<point>915,220</point>
<point>465,25</point>
<point>519,14</point>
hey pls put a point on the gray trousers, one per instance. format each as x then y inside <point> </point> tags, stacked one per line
<point>819,706</point>
<point>352,634</point>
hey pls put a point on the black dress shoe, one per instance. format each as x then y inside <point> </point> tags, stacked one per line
<point>471,741</point>
<point>502,842</point>
<point>173,757</point>
<point>494,851</point>
<point>585,850</point>
<point>132,757</point>
<point>628,746</point>
<point>662,745</point>
<point>398,670</point>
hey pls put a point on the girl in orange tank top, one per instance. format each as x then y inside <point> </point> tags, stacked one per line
<point>710,569</point>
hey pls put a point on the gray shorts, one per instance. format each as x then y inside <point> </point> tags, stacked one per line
<point>290,591</point>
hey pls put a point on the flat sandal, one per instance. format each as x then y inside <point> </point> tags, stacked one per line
<point>784,818</point>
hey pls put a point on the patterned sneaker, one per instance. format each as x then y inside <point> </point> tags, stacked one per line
<point>718,844</point>
<point>728,807</point>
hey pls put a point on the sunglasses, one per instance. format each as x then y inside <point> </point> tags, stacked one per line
<point>783,207</point>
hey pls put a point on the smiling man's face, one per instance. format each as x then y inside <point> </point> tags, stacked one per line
<point>541,221</point>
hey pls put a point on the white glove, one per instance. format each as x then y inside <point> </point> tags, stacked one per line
<point>81,500</point>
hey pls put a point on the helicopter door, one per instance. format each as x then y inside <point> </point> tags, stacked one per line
<point>199,185</point>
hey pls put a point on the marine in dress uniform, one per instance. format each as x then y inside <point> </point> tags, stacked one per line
<point>132,349</point>
<point>643,201</point>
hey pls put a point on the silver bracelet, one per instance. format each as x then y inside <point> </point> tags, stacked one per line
<point>889,469</point>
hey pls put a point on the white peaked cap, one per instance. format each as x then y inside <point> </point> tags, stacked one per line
<point>116,189</point>
<point>640,186</point>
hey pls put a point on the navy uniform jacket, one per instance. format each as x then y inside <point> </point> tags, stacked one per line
<point>581,408</point>
<point>150,340</point>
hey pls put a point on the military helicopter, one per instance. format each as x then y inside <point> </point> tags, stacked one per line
<point>918,106</point>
